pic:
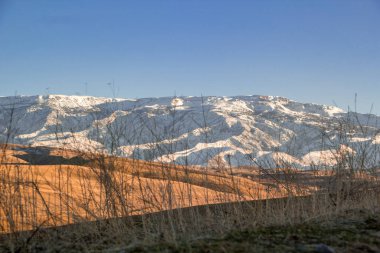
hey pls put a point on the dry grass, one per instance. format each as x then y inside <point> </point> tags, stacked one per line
<point>36,195</point>
<point>115,202</point>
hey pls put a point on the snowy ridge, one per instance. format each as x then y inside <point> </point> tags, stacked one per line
<point>241,130</point>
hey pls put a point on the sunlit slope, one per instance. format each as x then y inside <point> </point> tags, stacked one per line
<point>45,187</point>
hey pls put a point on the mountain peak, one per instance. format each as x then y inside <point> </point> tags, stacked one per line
<point>241,130</point>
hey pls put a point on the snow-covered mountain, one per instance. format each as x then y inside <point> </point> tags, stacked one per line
<point>242,130</point>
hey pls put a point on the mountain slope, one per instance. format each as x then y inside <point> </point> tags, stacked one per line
<point>215,131</point>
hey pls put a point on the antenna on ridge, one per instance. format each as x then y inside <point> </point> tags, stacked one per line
<point>112,87</point>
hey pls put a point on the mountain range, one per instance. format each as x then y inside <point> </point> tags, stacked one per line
<point>210,131</point>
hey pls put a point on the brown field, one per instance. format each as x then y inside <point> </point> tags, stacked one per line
<point>51,187</point>
<point>67,200</point>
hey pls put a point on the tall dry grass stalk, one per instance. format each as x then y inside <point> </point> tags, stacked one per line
<point>81,187</point>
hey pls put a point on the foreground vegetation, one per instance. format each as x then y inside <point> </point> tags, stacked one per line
<point>235,227</point>
<point>62,200</point>
<point>353,231</point>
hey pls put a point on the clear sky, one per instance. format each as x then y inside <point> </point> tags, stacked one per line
<point>321,51</point>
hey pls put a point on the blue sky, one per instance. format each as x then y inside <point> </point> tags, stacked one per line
<point>309,51</point>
